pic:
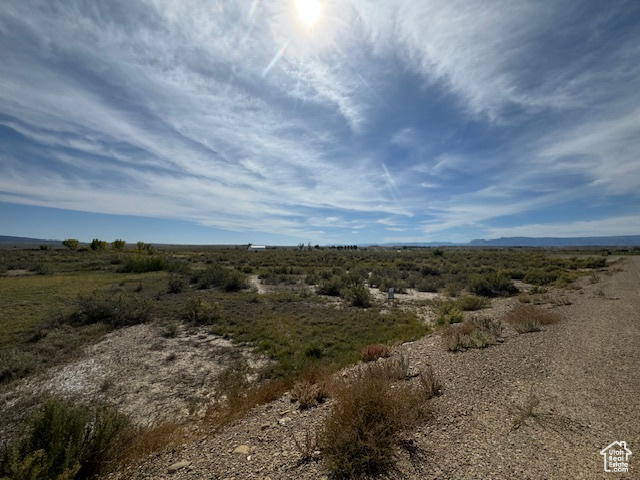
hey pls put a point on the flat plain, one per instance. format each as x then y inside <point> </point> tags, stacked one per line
<point>205,349</point>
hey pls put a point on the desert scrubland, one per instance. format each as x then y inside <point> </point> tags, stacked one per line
<point>154,362</point>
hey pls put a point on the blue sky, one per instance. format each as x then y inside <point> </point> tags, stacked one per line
<point>381,121</point>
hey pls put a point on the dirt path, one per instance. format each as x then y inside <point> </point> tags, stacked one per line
<point>541,405</point>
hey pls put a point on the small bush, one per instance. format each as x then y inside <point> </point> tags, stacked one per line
<point>471,303</point>
<point>97,244</point>
<point>371,353</point>
<point>430,382</point>
<point>309,395</point>
<point>331,287</point>
<point>65,442</point>
<point>540,276</point>
<point>171,329</point>
<point>140,264</point>
<point>71,243</point>
<point>529,318</point>
<point>116,310</point>
<point>362,433</point>
<point>478,332</point>
<point>176,285</point>
<point>201,312</point>
<point>448,312</point>
<point>358,296</point>
<point>492,285</point>
<point>16,364</point>
<point>216,276</point>
<point>118,244</point>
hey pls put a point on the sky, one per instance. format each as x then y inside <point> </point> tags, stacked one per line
<point>329,122</point>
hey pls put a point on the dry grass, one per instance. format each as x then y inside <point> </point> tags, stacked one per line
<point>529,318</point>
<point>371,353</point>
<point>430,382</point>
<point>362,434</point>
<point>307,447</point>
<point>238,404</point>
<point>478,332</point>
<point>309,395</point>
<point>144,441</point>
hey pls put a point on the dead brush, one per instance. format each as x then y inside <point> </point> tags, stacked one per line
<point>371,353</point>
<point>529,414</point>
<point>478,332</point>
<point>143,441</point>
<point>367,423</point>
<point>529,318</point>
<point>238,403</point>
<point>429,382</point>
<point>308,446</point>
<point>309,395</point>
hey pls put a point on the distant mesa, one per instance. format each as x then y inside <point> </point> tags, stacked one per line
<point>8,240</point>
<point>619,241</point>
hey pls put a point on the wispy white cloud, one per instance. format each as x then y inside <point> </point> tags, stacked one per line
<point>233,115</point>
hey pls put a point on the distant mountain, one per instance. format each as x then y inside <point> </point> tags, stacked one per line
<point>417,244</point>
<point>8,240</point>
<point>622,241</point>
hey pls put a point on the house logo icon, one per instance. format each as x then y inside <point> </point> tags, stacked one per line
<point>616,457</point>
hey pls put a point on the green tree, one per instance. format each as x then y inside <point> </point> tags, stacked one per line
<point>98,244</point>
<point>71,243</point>
<point>118,244</point>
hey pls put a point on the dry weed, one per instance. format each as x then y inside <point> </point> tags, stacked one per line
<point>529,318</point>
<point>362,434</point>
<point>430,382</point>
<point>371,353</point>
<point>308,446</point>
<point>309,395</point>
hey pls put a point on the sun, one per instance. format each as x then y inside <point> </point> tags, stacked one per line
<point>309,11</point>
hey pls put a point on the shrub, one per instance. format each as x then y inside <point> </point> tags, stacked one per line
<point>470,303</point>
<point>529,318</point>
<point>234,281</point>
<point>171,329</point>
<point>176,284</point>
<point>139,264</point>
<point>540,277</point>
<point>358,296</point>
<point>201,312</point>
<point>373,352</point>
<point>65,442</point>
<point>492,285</point>
<point>309,395</point>
<point>216,276</point>
<point>116,310</point>
<point>71,243</point>
<point>362,433</point>
<point>118,244</point>
<point>474,333</point>
<point>331,287</point>
<point>429,382</point>
<point>145,248</point>
<point>97,244</point>
<point>42,269</point>
<point>448,313</point>
<point>16,364</point>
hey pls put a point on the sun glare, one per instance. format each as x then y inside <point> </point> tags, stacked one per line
<point>309,11</point>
